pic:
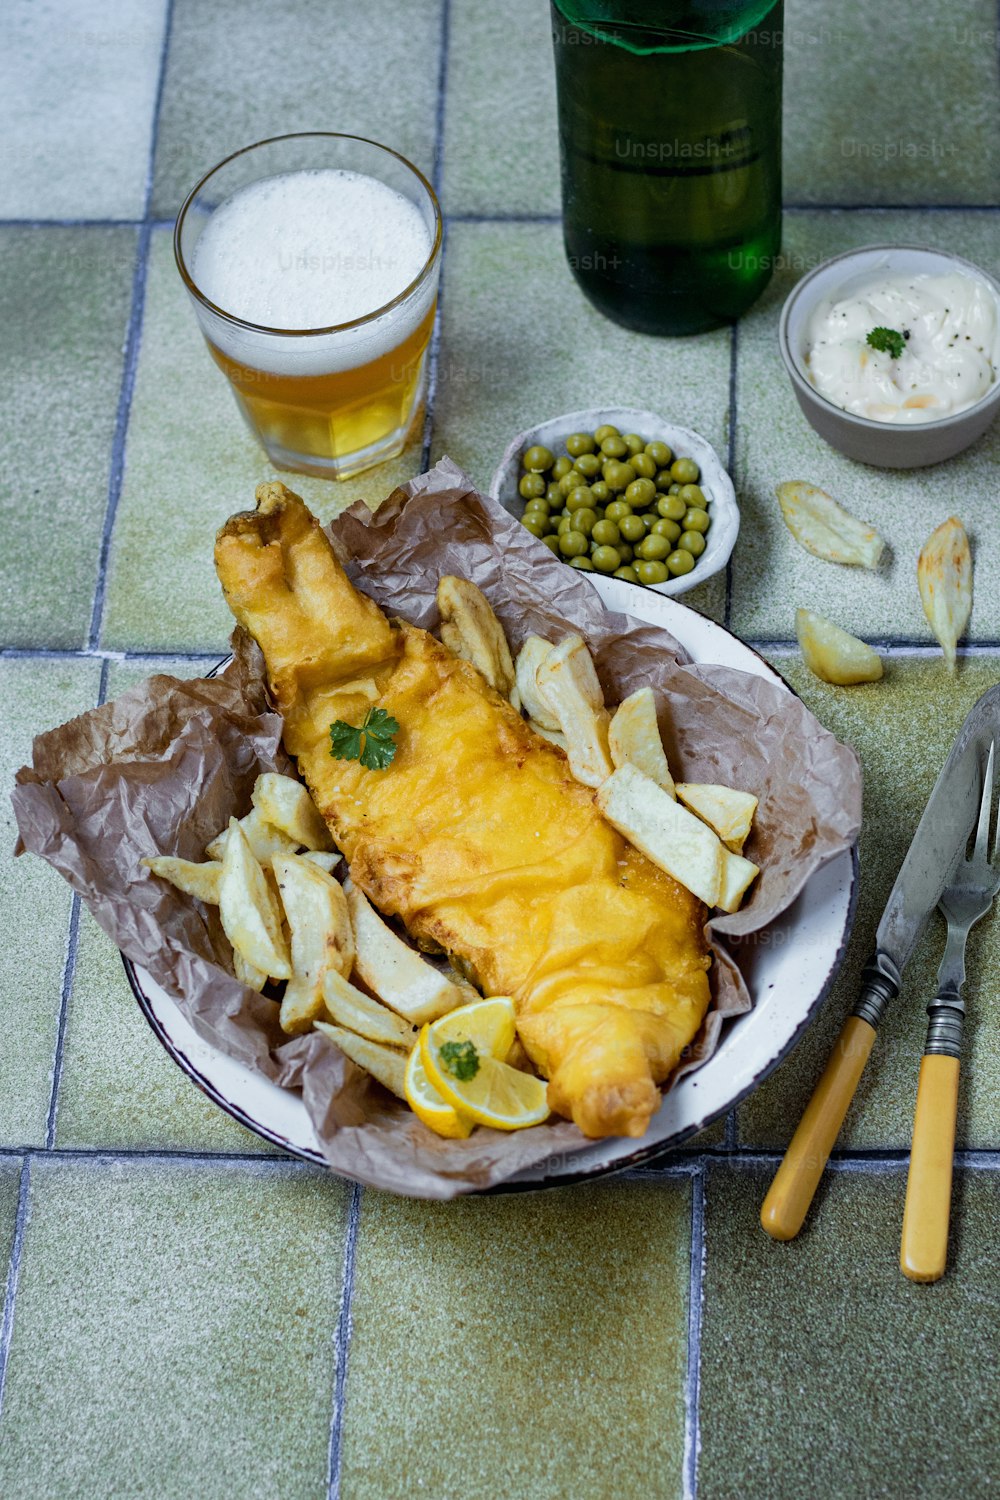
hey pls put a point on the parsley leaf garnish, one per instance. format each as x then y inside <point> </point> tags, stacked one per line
<point>371,743</point>
<point>887,341</point>
<point>460,1059</point>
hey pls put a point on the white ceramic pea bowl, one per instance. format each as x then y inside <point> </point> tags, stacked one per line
<point>715,482</point>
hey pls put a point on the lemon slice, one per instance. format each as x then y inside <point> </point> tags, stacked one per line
<point>427,1104</point>
<point>461,1061</point>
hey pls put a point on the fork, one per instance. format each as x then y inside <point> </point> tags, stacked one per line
<point>967,897</point>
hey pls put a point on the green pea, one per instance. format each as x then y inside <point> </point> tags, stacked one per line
<point>614,447</point>
<point>552,542</point>
<point>618,476</point>
<point>625,552</point>
<point>605,559</point>
<point>640,493</point>
<point>584,564</point>
<point>693,542</point>
<point>664,479</point>
<point>685,470</point>
<point>584,520</point>
<point>649,519</point>
<point>643,465</point>
<point>537,525</point>
<point>571,480</point>
<point>680,562</point>
<point>578,498</point>
<point>671,507</point>
<point>554,493</point>
<point>633,442</point>
<point>660,453</point>
<point>600,433</point>
<point>587,464</point>
<point>669,529</point>
<point>617,510</point>
<point>651,572</point>
<point>532,486</point>
<point>631,528</point>
<point>579,442</point>
<point>600,492</point>
<point>629,574</point>
<point>693,494</point>
<point>538,459</point>
<point>606,534</point>
<point>539,503</point>
<point>695,519</point>
<point>561,467</point>
<point>573,543</point>
<point>565,524</point>
<point>654,548</point>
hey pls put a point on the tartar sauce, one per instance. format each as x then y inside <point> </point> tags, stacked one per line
<point>950,357</point>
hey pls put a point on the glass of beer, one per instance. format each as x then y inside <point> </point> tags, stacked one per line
<point>312,261</point>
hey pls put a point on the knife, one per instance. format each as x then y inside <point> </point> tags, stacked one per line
<point>940,839</point>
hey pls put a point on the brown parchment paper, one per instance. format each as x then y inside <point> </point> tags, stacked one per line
<point>160,770</point>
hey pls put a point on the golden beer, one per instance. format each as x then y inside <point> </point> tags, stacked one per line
<point>315,285</point>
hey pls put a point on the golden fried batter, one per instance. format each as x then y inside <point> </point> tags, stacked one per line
<point>476,836</point>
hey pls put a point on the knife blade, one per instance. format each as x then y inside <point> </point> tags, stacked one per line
<point>937,845</point>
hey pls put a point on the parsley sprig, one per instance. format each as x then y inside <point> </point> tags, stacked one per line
<point>460,1059</point>
<point>887,341</point>
<point>371,743</point>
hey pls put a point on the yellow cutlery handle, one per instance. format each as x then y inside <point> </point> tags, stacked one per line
<point>924,1248</point>
<point>796,1180</point>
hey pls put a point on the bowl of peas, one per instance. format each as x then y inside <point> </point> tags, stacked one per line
<point>621,493</point>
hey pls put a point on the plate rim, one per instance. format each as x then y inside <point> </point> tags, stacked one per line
<point>644,1155</point>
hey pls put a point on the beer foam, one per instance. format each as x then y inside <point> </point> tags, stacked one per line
<point>311,250</point>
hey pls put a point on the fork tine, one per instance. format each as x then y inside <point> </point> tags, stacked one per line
<point>985,810</point>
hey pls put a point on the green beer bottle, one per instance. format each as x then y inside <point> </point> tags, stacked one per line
<point>670,146</point>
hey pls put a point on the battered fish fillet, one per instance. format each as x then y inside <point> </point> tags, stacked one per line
<point>476,836</point>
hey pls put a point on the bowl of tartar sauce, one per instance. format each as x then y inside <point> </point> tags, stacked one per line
<point>894,353</point>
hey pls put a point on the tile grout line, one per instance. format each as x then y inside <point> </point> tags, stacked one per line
<point>154,134</point>
<point>13,1274</point>
<point>692,1438</point>
<point>437,172</point>
<point>341,1345</point>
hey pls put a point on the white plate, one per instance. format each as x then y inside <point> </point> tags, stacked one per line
<point>789,973</point>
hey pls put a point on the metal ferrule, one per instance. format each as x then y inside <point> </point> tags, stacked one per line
<point>880,984</point>
<point>944,1032</point>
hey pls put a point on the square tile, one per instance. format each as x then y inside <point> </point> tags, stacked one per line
<point>501,138</point>
<point>35,900</point>
<point>520,343</point>
<point>10,1190</point>
<point>175,1320</point>
<point>239,72</point>
<point>189,464</point>
<point>819,1359</point>
<point>902,728</point>
<point>533,1344</point>
<point>79,85</point>
<point>65,296</point>
<point>772,573</point>
<point>891,104</point>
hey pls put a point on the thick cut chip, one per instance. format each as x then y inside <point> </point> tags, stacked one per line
<point>529,659</point>
<point>723,808</point>
<point>634,738</point>
<point>944,577</point>
<point>200,881</point>
<point>554,736</point>
<point>253,978</point>
<point>468,612</point>
<point>387,1065</point>
<point>569,684</point>
<point>825,528</point>
<point>265,840</point>
<point>323,860</point>
<point>834,654</point>
<point>286,804</point>
<point>393,970</point>
<point>667,833</point>
<point>249,909</point>
<point>351,1007</point>
<point>737,875</point>
<point>322,939</point>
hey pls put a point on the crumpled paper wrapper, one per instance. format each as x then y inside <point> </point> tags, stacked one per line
<point>160,770</point>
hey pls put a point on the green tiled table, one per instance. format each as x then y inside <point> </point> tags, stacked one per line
<point>188,1313</point>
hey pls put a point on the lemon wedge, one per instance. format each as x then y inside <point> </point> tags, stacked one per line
<point>428,1105</point>
<point>462,1057</point>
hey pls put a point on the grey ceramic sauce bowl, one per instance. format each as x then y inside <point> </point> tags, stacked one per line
<point>885,445</point>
